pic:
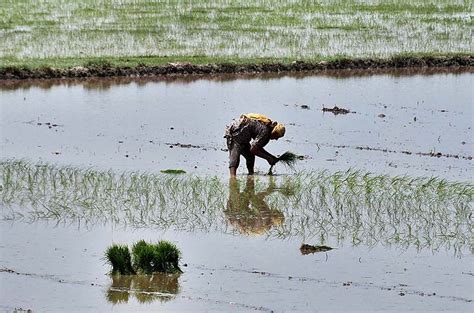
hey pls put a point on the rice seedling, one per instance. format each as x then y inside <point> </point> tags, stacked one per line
<point>162,257</point>
<point>288,159</point>
<point>144,257</point>
<point>425,212</point>
<point>118,256</point>
<point>66,33</point>
<point>168,256</point>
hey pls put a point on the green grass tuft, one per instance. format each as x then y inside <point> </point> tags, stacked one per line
<point>162,257</point>
<point>289,159</point>
<point>68,33</point>
<point>143,257</point>
<point>119,257</point>
<point>171,171</point>
<point>168,257</point>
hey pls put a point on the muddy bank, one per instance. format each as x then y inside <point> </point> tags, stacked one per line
<point>172,69</point>
<point>104,83</point>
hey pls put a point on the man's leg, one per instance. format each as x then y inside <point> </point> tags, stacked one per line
<point>234,157</point>
<point>250,159</point>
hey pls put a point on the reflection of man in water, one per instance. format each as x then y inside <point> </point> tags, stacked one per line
<point>248,210</point>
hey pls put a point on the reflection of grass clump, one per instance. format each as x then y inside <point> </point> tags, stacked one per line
<point>119,257</point>
<point>147,258</point>
<point>145,288</point>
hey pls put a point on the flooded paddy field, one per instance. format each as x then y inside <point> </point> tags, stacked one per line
<point>387,185</point>
<point>49,31</point>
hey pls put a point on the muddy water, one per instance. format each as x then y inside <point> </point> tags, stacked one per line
<point>134,125</point>
<point>51,257</point>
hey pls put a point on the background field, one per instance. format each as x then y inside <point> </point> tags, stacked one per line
<point>67,32</point>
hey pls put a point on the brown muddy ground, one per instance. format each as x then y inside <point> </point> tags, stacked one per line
<point>108,70</point>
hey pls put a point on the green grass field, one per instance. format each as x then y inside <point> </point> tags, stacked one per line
<point>127,32</point>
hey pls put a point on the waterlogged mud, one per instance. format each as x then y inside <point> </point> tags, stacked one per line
<point>84,165</point>
<point>310,249</point>
<point>337,110</point>
<point>430,154</point>
<point>164,124</point>
<point>108,70</point>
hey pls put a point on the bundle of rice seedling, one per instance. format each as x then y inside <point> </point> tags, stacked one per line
<point>161,257</point>
<point>288,159</point>
<point>144,255</point>
<point>119,257</point>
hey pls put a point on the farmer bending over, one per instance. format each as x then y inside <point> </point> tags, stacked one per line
<point>247,136</point>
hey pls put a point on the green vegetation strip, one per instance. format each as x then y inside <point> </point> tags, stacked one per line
<point>107,69</point>
<point>363,208</point>
<point>69,33</point>
<point>146,258</point>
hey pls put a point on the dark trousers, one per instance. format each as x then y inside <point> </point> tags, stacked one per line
<point>236,149</point>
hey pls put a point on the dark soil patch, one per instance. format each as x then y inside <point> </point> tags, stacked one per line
<point>337,110</point>
<point>191,146</point>
<point>171,69</point>
<point>101,83</point>
<point>430,154</point>
<point>309,249</point>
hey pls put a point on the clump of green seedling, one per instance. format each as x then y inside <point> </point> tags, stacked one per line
<point>289,159</point>
<point>161,257</point>
<point>168,256</point>
<point>118,256</point>
<point>145,258</point>
<point>173,171</point>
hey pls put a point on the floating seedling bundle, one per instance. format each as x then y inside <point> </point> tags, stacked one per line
<point>145,258</point>
<point>118,256</point>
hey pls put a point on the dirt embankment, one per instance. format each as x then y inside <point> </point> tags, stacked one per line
<point>170,69</point>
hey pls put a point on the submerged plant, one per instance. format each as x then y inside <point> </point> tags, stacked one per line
<point>119,257</point>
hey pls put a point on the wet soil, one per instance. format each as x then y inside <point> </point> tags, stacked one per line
<point>163,123</point>
<point>429,154</point>
<point>171,69</point>
<point>104,83</point>
<point>310,249</point>
<point>226,278</point>
<point>337,110</point>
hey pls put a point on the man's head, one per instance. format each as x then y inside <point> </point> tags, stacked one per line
<point>278,131</point>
